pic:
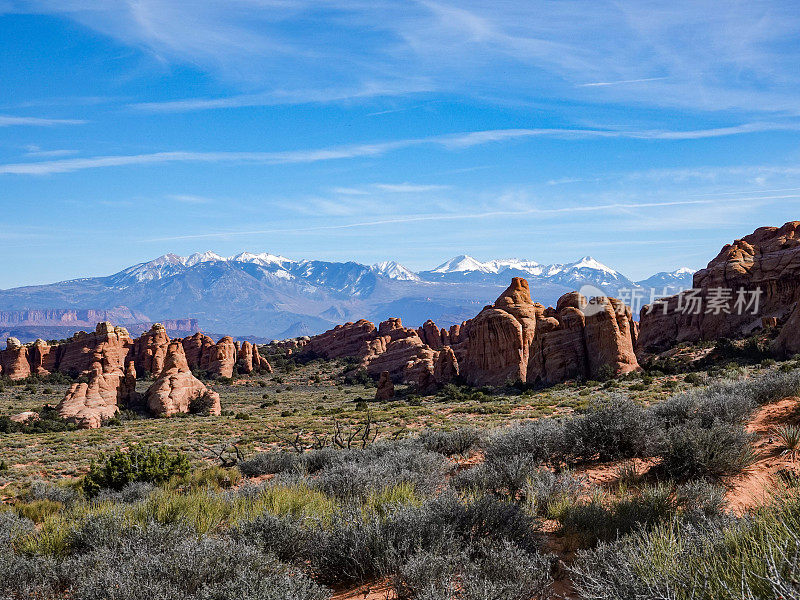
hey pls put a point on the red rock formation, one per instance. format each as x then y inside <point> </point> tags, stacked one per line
<point>245,362</point>
<point>14,360</point>
<point>223,358</point>
<point>431,335</point>
<point>788,341</point>
<point>42,358</point>
<point>766,260</point>
<point>250,360</point>
<point>150,350</point>
<point>198,349</point>
<point>78,354</point>
<point>519,340</point>
<point>25,417</point>
<point>89,404</point>
<point>259,361</point>
<point>445,369</point>
<point>177,390</point>
<point>385,389</point>
<point>349,339</point>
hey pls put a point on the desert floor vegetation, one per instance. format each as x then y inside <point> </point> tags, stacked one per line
<point>308,489</point>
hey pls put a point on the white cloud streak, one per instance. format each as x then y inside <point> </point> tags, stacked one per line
<point>543,212</point>
<point>453,142</point>
<point>10,121</point>
<point>622,82</point>
<point>286,97</point>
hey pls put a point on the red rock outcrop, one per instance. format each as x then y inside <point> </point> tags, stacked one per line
<point>767,260</point>
<point>385,389</point>
<point>89,404</point>
<point>150,350</point>
<point>14,360</point>
<point>244,364</point>
<point>198,348</point>
<point>78,354</point>
<point>788,341</point>
<point>349,339</point>
<point>178,391</point>
<point>445,369</point>
<point>517,339</point>
<point>222,358</point>
<point>432,336</point>
<point>43,358</point>
<point>260,362</point>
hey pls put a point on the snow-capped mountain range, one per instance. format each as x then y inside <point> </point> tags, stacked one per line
<point>268,295</point>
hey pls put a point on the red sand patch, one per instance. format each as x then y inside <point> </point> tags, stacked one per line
<point>752,487</point>
<point>376,590</point>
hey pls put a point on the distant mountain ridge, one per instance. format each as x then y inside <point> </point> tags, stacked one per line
<point>269,295</point>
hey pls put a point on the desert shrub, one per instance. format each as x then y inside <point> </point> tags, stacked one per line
<point>690,450</point>
<point>43,490</point>
<point>537,439</point>
<point>178,565</point>
<point>602,519</point>
<point>134,491</point>
<point>450,443</point>
<point>215,477</point>
<point>284,536</point>
<point>505,477</point>
<point>511,457</point>
<point>363,471</point>
<point>319,458</point>
<point>268,463</point>
<point>729,402</point>
<point>481,571</point>
<point>724,559</point>
<point>609,430</point>
<point>358,377</point>
<point>789,439</point>
<point>546,493</point>
<point>140,463</point>
<point>357,546</point>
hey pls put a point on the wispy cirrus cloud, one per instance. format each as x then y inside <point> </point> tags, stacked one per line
<point>622,82</point>
<point>365,91</point>
<point>742,57</point>
<point>449,141</point>
<point>10,121</point>
<point>611,207</point>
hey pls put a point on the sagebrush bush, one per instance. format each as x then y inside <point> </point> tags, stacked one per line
<point>609,430</point>
<point>381,466</point>
<point>690,450</point>
<point>269,463</point>
<point>478,572</point>
<point>546,493</point>
<point>724,559</point>
<point>450,443</point>
<point>604,517</point>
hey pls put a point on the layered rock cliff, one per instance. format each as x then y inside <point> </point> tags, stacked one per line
<point>752,279</point>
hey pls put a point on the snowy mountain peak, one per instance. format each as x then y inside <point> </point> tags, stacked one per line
<point>463,263</point>
<point>201,257</point>
<point>684,271</point>
<point>588,262</point>
<point>394,270</point>
<point>261,258</point>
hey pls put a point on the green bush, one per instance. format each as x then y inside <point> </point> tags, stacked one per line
<point>153,465</point>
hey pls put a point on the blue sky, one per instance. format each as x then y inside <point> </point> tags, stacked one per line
<point>646,134</point>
